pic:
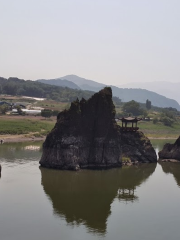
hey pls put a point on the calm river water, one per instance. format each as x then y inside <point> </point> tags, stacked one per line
<point>137,202</point>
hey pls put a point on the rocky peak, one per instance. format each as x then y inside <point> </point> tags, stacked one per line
<point>85,136</point>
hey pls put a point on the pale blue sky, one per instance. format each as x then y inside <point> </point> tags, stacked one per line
<point>109,41</point>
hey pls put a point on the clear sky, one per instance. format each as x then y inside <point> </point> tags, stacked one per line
<point>109,41</point>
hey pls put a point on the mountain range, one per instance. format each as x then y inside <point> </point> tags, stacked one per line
<point>128,92</point>
<point>168,89</point>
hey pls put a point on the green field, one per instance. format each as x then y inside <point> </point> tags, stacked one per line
<point>53,105</point>
<point>16,126</point>
<point>159,130</point>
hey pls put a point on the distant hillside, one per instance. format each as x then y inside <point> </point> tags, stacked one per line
<point>168,89</point>
<point>15,86</point>
<point>59,82</point>
<point>141,95</point>
<point>125,94</point>
<point>84,84</point>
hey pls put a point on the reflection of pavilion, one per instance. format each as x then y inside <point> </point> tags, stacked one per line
<point>126,195</point>
<point>129,120</point>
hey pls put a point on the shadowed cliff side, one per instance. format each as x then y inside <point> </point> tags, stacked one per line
<point>85,136</point>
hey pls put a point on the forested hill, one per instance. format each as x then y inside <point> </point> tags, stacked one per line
<point>15,86</point>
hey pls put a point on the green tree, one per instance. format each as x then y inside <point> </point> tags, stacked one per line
<point>55,112</point>
<point>3,109</point>
<point>145,113</point>
<point>167,121</point>
<point>155,120</point>
<point>19,110</point>
<point>148,104</point>
<point>132,107</point>
<point>47,113</point>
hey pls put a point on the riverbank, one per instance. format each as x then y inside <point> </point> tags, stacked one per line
<point>20,138</point>
<point>29,137</point>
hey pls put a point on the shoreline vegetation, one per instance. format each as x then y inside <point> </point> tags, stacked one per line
<point>35,128</point>
<point>25,128</point>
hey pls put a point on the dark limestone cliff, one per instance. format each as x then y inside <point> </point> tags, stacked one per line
<point>87,136</point>
<point>137,147</point>
<point>171,151</point>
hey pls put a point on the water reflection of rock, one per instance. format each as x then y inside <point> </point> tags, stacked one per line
<point>132,177</point>
<point>173,168</point>
<point>85,197</point>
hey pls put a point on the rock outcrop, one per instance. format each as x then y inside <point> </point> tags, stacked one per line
<point>137,147</point>
<point>171,151</point>
<point>87,136</point>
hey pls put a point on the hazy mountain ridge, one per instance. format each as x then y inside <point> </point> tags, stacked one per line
<point>168,89</point>
<point>59,82</point>
<point>84,83</point>
<point>126,94</point>
<point>141,95</point>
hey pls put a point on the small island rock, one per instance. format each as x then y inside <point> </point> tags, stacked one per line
<point>171,151</point>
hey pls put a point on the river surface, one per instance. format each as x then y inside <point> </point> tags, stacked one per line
<point>131,203</point>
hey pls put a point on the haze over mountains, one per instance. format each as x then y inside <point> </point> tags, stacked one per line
<point>124,93</point>
<point>168,89</point>
<point>60,83</point>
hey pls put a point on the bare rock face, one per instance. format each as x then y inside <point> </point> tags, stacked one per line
<point>171,151</point>
<point>85,136</point>
<point>137,147</point>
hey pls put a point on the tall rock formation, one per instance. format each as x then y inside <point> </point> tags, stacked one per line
<point>85,136</point>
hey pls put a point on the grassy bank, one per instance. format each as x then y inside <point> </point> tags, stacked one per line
<point>16,125</point>
<point>159,130</point>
